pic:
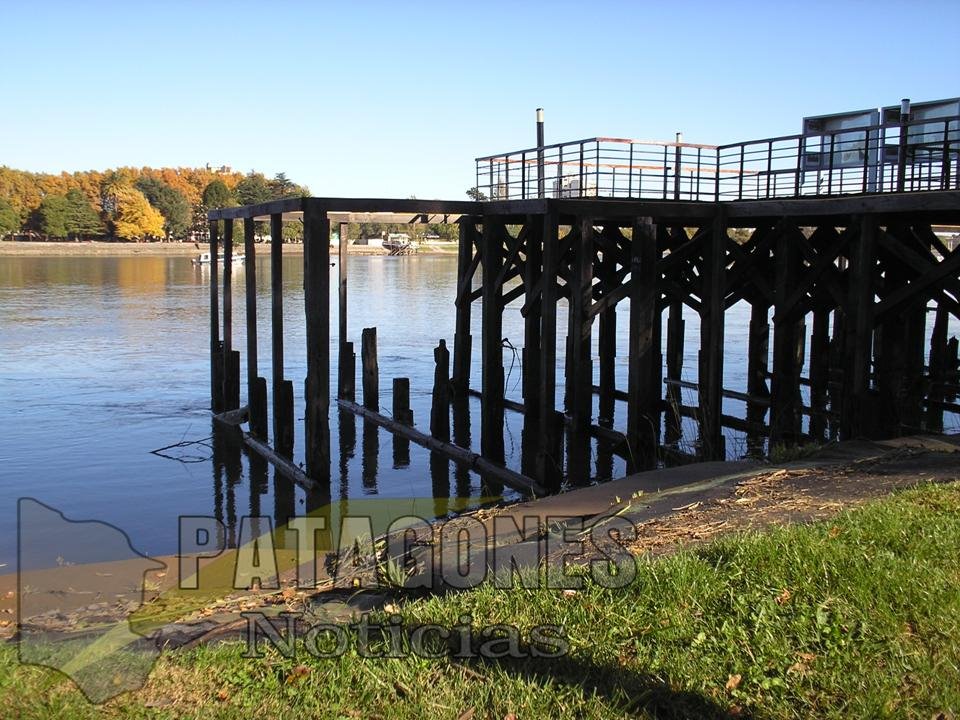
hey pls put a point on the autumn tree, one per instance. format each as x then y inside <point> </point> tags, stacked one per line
<point>133,217</point>
<point>170,202</point>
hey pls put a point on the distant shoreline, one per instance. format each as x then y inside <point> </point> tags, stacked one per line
<point>173,249</point>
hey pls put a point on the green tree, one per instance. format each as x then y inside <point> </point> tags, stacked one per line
<point>9,219</point>
<point>217,195</point>
<point>253,190</point>
<point>53,216</point>
<point>82,218</point>
<point>475,193</point>
<point>170,202</point>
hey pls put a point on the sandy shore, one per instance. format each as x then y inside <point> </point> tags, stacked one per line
<point>77,249</point>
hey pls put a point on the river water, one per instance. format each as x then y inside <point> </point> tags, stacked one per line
<point>104,359</point>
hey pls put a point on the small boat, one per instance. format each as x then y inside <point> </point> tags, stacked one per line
<point>204,259</point>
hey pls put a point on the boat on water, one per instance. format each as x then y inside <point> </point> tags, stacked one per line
<point>204,259</point>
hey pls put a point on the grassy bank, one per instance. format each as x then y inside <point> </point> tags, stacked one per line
<point>855,617</point>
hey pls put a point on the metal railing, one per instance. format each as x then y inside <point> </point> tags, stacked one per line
<point>883,158</point>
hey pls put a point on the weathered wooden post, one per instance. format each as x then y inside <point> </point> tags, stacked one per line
<point>819,372</point>
<point>549,461</point>
<point>859,331</point>
<point>440,411</point>
<point>645,381</point>
<point>316,286</point>
<point>402,414</point>
<point>580,394</point>
<point>710,381</point>
<point>371,369</point>
<point>345,362</point>
<point>462,340</point>
<point>675,332</point>
<point>491,401</point>
<point>938,352</point>
<point>787,333</point>
<point>758,352</point>
<point>533,273</point>
<point>283,428</point>
<point>231,358</point>
<point>256,386</point>
<point>216,347</point>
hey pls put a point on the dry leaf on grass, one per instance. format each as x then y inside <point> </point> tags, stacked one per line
<point>733,682</point>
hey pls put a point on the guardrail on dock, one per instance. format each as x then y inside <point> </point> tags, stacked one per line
<point>888,157</point>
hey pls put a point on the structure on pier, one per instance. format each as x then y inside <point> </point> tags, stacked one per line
<point>695,230</point>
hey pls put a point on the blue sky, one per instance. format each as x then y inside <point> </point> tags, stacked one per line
<point>396,99</point>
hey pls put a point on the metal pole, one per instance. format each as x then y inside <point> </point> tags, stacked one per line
<point>902,152</point>
<point>676,166</point>
<point>541,182</point>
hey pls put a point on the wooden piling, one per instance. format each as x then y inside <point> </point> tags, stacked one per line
<point>316,286</point>
<point>645,381</point>
<point>231,366</point>
<point>819,372</point>
<point>710,382</point>
<point>758,352</point>
<point>859,331</point>
<point>675,333</point>
<point>348,372</point>
<point>462,339</point>
<point>549,460</point>
<point>440,411</point>
<point>282,414</point>
<point>256,400</point>
<point>344,383</point>
<point>402,414</point>
<point>533,269</point>
<point>491,403</point>
<point>216,347</point>
<point>370,368</point>
<point>580,393</point>
<point>785,403</point>
<point>937,366</point>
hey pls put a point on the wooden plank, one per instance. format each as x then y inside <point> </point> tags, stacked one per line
<point>316,286</point>
<point>476,462</point>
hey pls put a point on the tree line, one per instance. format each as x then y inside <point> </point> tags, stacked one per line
<point>129,204</point>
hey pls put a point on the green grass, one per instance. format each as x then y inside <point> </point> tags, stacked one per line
<point>858,617</point>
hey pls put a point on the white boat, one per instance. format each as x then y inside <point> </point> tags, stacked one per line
<point>204,259</point>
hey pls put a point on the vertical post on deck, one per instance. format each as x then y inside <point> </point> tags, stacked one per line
<point>231,358</point>
<point>316,287</point>
<point>580,393</point>
<point>541,180</point>
<point>216,348</point>
<point>902,148</point>
<point>370,369</point>
<point>710,379</point>
<point>607,347</point>
<point>531,322</point>
<point>643,406</point>
<point>256,386</point>
<point>491,402</point>
<point>342,358</point>
<point>440,409</point>
<point>675,331</point>
<point>785,380</point>
<point>462,340</point>
<point>549,462</point>
<point>859,331</point>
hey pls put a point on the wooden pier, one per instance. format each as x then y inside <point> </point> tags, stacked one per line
<point>848,282</point>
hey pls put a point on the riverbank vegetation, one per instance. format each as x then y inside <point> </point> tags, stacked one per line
<point>128,203</point>
<point>857,616</point>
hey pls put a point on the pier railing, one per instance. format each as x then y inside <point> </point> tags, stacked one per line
<point>889,157</point>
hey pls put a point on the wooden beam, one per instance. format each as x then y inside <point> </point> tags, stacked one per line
<point>257,404</point>
<point>644,385</point>
<point>316,287</point>
<point>216,347</point>
<point>549,461</point>
<point>462,340</point>
<point>711,340</point>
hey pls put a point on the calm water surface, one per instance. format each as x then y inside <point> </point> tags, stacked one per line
<point>104,359</point>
